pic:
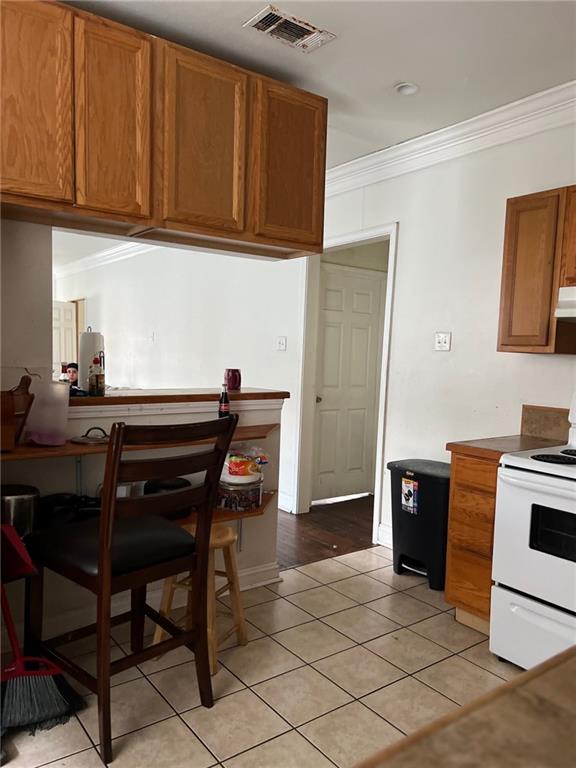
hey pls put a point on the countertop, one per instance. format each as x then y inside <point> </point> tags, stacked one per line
<point>525,723</point>
<point>493,447</point>
<point>197,395</point>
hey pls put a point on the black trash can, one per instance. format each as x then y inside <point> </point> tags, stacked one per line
<point>420,492</point>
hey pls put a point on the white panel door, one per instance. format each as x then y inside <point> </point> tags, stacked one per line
<point>64,338</point>
<point>348,377</point>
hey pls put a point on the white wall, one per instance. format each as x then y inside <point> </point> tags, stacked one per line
<point>26,300</point>
<point>449,258</point>
<point>178,318</point>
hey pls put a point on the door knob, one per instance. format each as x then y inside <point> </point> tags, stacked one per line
<point>318,399</point>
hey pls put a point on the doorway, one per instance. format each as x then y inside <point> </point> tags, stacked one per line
<point>348,356</point>
<point>383,237</point>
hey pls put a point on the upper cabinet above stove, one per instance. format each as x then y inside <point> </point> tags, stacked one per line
<point>146,138</point>
<point>539,258</point>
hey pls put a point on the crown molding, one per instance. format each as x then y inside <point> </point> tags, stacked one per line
<point>107,256</point>
<point>543,111</point>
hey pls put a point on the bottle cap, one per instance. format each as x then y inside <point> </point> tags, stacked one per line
<point>96,360</point>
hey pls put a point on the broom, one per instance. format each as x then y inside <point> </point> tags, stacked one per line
<point>35,694</point>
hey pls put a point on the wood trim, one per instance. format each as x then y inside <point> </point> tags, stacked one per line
<point>62,187</point>
<point>568,272</point>
<point>140,44</point>
<point>69,449</point>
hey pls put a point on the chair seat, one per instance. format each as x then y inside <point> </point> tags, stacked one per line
<point>137,542</point>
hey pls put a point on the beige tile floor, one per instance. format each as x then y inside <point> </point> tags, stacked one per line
<point>344,657</point>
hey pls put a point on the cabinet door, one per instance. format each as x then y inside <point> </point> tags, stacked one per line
<point>36,100</point>
<point>468,581</point>
<point>113,106</point>
<point>290,157</point>
<point>204,140</point>
<point>528,271</point>
<point>569,239</point>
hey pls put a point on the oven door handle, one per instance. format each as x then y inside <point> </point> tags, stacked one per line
<point>505,476</point>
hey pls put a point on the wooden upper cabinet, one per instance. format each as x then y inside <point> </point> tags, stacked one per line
<point>36,100</point>
<point>289,145</point>
<point>205,115</point>
<point>113,113</point>
<point>568,276</point>
<point>529,272</point>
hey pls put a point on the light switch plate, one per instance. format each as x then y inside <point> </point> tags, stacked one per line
<point>281,343</point>
<point>442,341</point>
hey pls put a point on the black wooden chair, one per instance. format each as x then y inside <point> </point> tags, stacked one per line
<point>131,545</point>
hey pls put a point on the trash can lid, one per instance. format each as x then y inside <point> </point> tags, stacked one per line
<point>437,469</point>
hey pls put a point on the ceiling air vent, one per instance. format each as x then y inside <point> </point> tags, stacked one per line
<point>294,32</point>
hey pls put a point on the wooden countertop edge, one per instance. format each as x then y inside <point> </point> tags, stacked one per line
<point>476,449</point>
<point>378,760</point>
<point>190,397</point>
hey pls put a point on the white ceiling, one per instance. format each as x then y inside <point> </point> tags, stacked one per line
<point>468,56</point>
<point>71,246</point>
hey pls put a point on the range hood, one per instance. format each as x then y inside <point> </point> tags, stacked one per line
<point>566,309</point>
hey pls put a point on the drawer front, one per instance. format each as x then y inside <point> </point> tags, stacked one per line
<point>468,581</point>
<point>475,473</point>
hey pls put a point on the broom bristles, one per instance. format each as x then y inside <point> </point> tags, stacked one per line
<point>37,702</point>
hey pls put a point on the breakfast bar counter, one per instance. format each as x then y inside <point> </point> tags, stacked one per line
<point>79,468</point>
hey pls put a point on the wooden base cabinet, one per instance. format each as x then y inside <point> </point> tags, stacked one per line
<point>470,533</point>
<point>539,257</point>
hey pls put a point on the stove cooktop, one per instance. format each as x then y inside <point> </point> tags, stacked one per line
<point>559,461</point>
<point>555,458</point>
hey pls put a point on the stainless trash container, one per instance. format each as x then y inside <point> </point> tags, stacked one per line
<point>19,507</point>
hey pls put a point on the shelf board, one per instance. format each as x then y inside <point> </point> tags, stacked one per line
<point>70,450</point>
<point>225,515</point>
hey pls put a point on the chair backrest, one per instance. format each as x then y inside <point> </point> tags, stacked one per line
<point>211,437</point>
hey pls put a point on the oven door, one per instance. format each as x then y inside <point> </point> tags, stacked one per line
<point>535,536</point>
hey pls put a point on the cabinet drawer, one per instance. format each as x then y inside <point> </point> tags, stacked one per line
<point>468,581</point>
<point>477,473</point>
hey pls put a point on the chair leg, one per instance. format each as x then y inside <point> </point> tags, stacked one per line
<point>33,612</point>
<point>103,677</point>
<point>211,617</point>
<point>137,603</point>
<point>201,646</point>
<point>235,597</point>
<point>165,606</point>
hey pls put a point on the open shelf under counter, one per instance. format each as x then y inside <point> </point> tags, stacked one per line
<point>227,515</point>
<point>70,449</point>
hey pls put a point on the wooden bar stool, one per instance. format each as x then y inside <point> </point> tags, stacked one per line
<point>221,537</point>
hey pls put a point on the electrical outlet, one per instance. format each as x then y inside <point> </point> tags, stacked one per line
<point>442,341</point>
<point>281,343</point>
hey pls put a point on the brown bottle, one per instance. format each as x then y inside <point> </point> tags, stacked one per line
<point>224,403</point>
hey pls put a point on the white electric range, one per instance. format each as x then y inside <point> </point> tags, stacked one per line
<point>533,600</point>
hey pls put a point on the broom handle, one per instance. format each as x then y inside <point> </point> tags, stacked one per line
<point>10,628</point>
